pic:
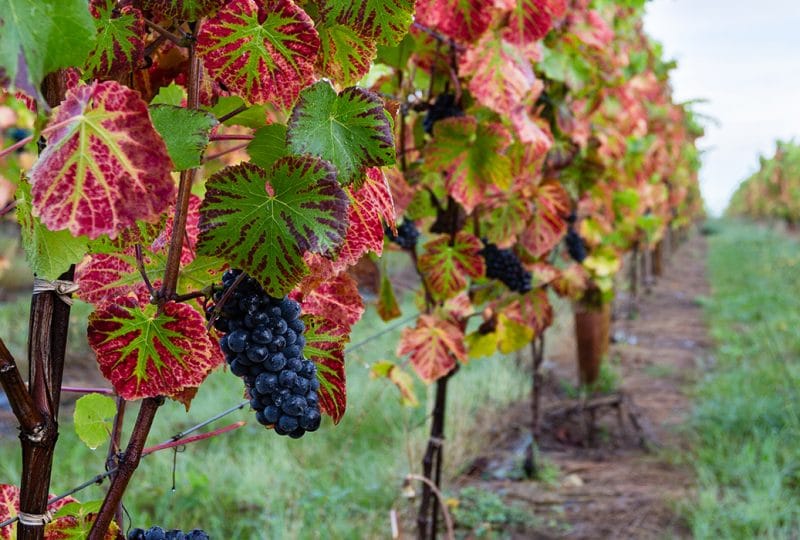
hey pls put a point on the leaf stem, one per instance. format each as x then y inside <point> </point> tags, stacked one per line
<point>142,271</point>
<point>87,390</point>
<point>16,146</point>
<point>194,438</point>
<point>227,116</point>
<point>227,151</point>
<point>174,38</point>
<point>231,137</point>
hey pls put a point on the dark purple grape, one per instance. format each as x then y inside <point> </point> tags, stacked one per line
<point>272,413</point>
<point>261,334</point>
<point>298,326</point>
<point>287,378</point>
<point>294,406</point>
<point>310,419</point>
<point>301,385</point>
<point>288,423</point>
<point>266,383</point>
<point>275,362</point>
<point>257,354</point>
<point>237,341</point>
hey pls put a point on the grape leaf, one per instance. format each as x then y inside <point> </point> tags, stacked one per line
<point>385,21</point>
<point>93,415</point>
<point>185,132</point>
<point>446,265</point>
<point>337,300</point>
<point>352,130</point>
<point>345,55</point>
<point>435,345</point>
<point>387,307</point>
<point>144,353</point>
<point>74,521</point>
<point>9,508</point>
<point>370,207</point>
<point>532,309</point>
<point>401,379</point>
<point>41,37</point>
<point>184,10</point>
<point>105,166</point>
<point>501,76</point>
<point>263,51</point>
<point>268,145</point>
<point>119,47</point>
<point>174,94</point>
<point>462,20</point>
<point>530,20</point>
<point>471,155</point>
<point>548,225</point>
<point>49,253</point>
<point>325,341</point>
<point>191,232</point>
<point>263,222</point>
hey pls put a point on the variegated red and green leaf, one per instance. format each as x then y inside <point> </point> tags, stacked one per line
<point>183,10</point>
<point>192,232</point>
<point>352,130</point>
<point>144,353</point>
<point>119,47</point>
<point>104,167</point>
<point>548,225</point>
<point>337,300</point>
<point>446,266</point>
<point>572,282</point>
<point>506,220</point>
<point>530,20</point>
<point>532,310</point>
<point>435,346</point>
<point>385,21</point>
<point>325,341</point>
<point>74,520</point>
<point>370,207</point>
<point>471,156</point>
<point>265,221</point>
<point>9,508</point>
<point>262,51</point>
<point>501,75</point>
<point>462,20</point>
<point>345,55</point>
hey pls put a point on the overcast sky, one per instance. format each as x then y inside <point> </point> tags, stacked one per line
<point>744,58</point>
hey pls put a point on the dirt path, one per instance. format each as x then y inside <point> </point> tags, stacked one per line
<point>615,487</point>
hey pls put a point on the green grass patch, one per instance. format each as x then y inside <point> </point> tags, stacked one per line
<point>746,425</point>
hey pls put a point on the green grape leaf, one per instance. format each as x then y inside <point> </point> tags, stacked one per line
<point>265,221</point>
<point>93,416</point>
<point>387,307</point>
<point>352,130</point>
<point>446,265</point>
<point>185,132</point>
<point>268,145</point>
<point>471,155</point>
<point>385,21</point>
<point>49,253</point>
<point>39,37</point>
<point>262,51</point>
<point>174,94</point>
<point>145,352</point>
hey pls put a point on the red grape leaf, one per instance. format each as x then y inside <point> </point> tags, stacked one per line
<point>533,131</point>
<point>263,51</point>
<point>446,267</point>
<point>105,167</point>
<point>119,47</point>
<point>325,341</point>
<point>144,353</point>
<point>531,309</point>
<point>435,345</point>
<point>530,20</point>
<point>337,299</point>
<point>345,55</point>
<point>9,508</point>
<point>470,155</point>
<point>507,220</point>
<point>385,21</point>
<point>548,225</point>
<point>462,20</point>
<point>352,130</point>
<point>370,207</point>
<point>263,222</point>
<point>502,76</point>
<point>572,282</point>
<point>105,276</point>
<point>185,10</point>
<point>161,243</point>
<point>74,520</point>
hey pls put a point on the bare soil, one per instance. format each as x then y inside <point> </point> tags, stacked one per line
<point>620,479</point>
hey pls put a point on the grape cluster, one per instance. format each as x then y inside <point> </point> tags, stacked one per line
<point>575,245</point>
<point>504,265</point>
<point>263,343</point>
<point>407,234</point>
<point>157,533</point>
<point>445,106</point>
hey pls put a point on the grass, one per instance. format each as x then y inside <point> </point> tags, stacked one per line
<point>339,482</point>
<point>746,424</point>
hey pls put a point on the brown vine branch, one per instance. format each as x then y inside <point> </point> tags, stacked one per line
<point>448,519</point>
<point>227,116</point>
<point>20,400</point>
<point>221,153</point>
<point>174,38</point>
<point>127,466</point>
<point>231,137</point>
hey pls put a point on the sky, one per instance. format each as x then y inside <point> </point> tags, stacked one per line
<point>743,57</point>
